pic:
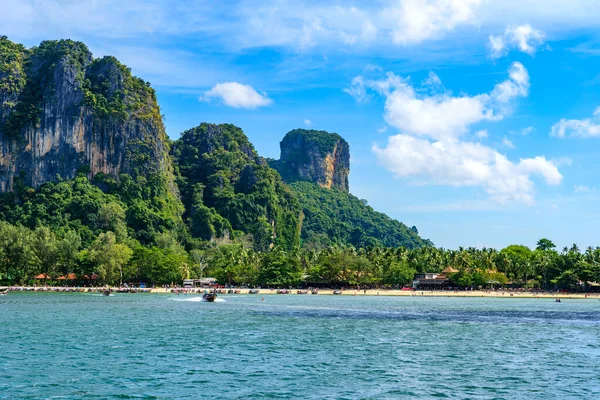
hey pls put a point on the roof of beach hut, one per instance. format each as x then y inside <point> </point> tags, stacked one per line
<point>42,276</point>
<point>71,277</point>
<point>62,278</point>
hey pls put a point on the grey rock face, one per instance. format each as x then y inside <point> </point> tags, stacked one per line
<point>76,128</point>
<point>315,156</point>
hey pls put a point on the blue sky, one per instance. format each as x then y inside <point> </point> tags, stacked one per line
<point>473,120</point>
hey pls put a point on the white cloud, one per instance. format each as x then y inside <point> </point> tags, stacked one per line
<point>237,95</point>
<point>283,23</point>
<point>506,142</point>
<point>357,90</point>
<point>297,24</point>
<point>457,163</point>
<point>587,127</point>
<point>419,20</point>
<point>307,122</point>
<point>582,188</point>
<point>522,37</point>
<point>433,84</point>
<point>442,115</point>
<point>560,161</point>
<point>527,131</point>
<point>497,46</point>
<point>430,148</point>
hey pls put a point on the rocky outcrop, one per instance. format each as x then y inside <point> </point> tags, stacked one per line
<point>315,156</point>
<point>226,186</point>
<point>63,113</point>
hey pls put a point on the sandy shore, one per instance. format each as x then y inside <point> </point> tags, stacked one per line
<point>350,292</point>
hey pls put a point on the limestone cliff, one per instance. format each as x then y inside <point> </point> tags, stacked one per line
<point>225,185</point>
<point>63,112</point>
<point>315,156</point>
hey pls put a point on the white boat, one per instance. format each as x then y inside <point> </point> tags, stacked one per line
<point>3,292</point>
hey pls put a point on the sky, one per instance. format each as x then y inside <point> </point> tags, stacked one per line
<point>477,121</point>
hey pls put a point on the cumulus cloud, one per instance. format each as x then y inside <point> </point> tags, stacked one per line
<point>307,122</point>
<point>441,115</point>
<point>587,127</point>
<point>431,147</point>
<point>522,37</point>
<point>419,20</point>
<point>457,163</point>
<point>237,95</point>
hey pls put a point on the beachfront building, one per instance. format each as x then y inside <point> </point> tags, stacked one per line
<point>203,283</point>
<point>431,280</point>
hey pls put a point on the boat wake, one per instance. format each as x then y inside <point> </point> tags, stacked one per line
<point>217,300</point>
<point>197,299</point>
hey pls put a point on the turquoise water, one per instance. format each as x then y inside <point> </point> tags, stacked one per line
<point>317,347</point>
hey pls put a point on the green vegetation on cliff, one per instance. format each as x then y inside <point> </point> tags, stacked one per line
<point>324,141</point>
<point>12,74</point>
<point>111,90</point>
<point>226,187</point>
<point>138,209</point>
<point>336,217</point>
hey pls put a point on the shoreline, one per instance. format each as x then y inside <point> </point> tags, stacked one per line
<point>327,292</point>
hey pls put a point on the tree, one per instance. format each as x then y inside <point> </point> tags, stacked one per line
<point>399,274</point>
<point>16,252</point>
<point>545,244</point>
<point>278,269</point>
<point>68,252</point>
<point>45,248</point>
<point>200,260</point>
<point>520,257</point>
<point>111,217</point>
<point>110,257</point>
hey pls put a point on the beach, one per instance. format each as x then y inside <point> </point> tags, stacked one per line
<point>323,292</point>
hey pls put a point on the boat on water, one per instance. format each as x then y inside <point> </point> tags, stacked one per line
<point>3,292</point>
<point>210,297</point>
<point>253,291</point>
<point>106,293</point>
<point>337,292</point>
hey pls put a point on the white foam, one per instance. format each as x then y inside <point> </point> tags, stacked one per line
<point>195,299</point>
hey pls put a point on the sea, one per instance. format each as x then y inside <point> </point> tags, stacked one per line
<point>148,346</point>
